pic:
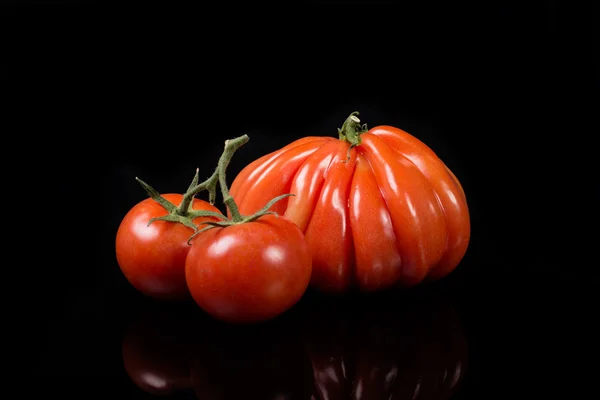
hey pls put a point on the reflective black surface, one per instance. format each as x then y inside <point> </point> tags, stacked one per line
<point>324,349</point>
<point>506,96</point>
<point>445,340</point>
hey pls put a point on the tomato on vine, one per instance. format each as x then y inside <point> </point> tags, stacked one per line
<point>247,268</point>
<point>152,239</point>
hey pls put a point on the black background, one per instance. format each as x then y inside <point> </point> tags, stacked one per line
<point>505,94</point>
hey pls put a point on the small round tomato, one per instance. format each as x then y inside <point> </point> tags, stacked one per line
<point>152,242</point>
<point>250,271</point>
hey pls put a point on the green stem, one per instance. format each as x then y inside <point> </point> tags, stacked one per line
<point>186,201</point>
<point>154,195</point>
<point>184,213</point>
<point>195,188</point>
<point>230,147</point>
<point>352,129</point>
<point>236,217</point>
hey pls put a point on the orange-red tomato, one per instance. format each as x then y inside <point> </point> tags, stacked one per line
<point>385,212</point>
<point>152,257</point>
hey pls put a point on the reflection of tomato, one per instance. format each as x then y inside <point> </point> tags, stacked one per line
<point>156,352</point>
<point>377,208</point>
<point>263,363</point>
<point>408,347</point>
<point>168,350</point>
<point>153,257</point>
<point>415,352</point>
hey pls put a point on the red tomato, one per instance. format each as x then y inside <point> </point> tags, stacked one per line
<point>386,211</point>
<point>153,257</point>
<point>249,272</point>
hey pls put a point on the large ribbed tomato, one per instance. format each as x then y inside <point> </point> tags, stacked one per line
<point>377,207</point>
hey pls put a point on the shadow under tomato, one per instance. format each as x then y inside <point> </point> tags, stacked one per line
<point>407,346</point>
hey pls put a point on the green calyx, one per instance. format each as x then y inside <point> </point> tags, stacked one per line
<point>236,216</point>
<point>184,213</point>
<point>240,219</point>
<point>351,130</point>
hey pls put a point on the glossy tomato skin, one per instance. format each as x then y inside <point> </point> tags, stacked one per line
<point>249,272</point>
<point>390,214</point>
<point>152,258</point>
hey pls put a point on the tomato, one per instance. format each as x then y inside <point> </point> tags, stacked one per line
<point>249,272</point>
<point>152,257</point>
<point>247,268</point>
<point>378,208</point>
